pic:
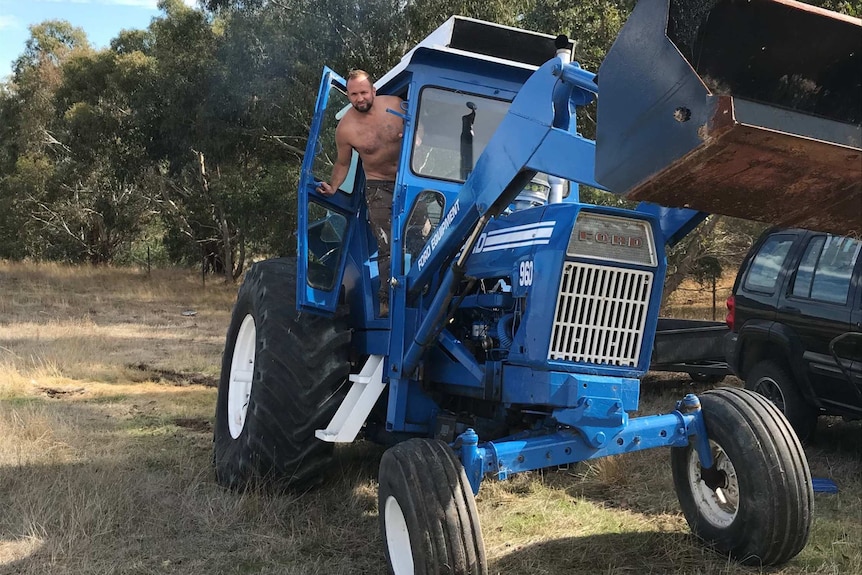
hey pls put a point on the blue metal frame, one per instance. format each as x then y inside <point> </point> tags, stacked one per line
<point>530,451</point>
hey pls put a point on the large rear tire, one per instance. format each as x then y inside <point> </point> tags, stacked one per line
<point>428,515</point>
<point>755,503</point>
<point>282,378</point>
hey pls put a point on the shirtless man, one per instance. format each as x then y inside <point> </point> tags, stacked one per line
<point>376,135</point>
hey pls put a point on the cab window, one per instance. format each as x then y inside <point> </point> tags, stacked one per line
<point>326,238</point>
<point>424,218</point>
<point>325,150</point>
<point>452,130</point>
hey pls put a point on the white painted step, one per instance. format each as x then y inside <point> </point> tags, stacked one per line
<point>353,411</point>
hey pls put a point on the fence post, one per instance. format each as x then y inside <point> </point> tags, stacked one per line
<point>713,298</point>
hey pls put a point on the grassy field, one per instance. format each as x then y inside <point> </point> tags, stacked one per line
<point>106,407</point>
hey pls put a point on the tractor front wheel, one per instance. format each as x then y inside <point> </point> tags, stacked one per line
<point>428,515</point>
<point>755,502</point>
<point>282,378</point>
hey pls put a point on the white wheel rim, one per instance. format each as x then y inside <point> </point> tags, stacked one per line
<point>241,375</point>
<point>720,504</point>
<point>397,538</point>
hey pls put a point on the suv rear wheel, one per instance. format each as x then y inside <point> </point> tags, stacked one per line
<point>771,381</point>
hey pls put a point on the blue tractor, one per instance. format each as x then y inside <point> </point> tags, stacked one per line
<point>522,319</point>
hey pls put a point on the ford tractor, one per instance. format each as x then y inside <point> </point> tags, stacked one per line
<point>520,318</point>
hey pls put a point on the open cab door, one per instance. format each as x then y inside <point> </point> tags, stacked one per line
<point>326,223</point>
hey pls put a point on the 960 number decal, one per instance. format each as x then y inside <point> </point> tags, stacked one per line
<point>525,273</point>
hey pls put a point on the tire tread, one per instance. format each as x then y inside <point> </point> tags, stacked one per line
<point>300,370</point>
<point>748,422</point>
<point>430,484</point>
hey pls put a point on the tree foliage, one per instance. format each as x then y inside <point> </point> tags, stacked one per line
<point>190,133</point>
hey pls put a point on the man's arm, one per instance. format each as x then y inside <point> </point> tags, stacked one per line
<point>342,164</point>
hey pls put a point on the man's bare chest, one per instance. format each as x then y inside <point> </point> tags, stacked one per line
<point>371,138</point>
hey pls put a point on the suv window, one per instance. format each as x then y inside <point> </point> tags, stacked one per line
<point>825,270</point>
<point>763,272</point>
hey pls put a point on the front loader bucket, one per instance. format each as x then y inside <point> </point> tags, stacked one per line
<point>749,108</point>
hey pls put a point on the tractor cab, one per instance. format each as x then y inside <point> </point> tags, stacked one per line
<point>457,86</point>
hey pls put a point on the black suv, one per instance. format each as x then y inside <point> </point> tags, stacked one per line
<point>795,321</point>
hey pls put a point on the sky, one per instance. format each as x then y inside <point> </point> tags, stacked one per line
<point>100,19</point>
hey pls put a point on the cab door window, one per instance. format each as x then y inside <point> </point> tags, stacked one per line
<point>326,237</point>
<point>325,149</point>
<point>423,221</point>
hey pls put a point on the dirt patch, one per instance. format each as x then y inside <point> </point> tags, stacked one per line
<point>195,424</point>
<point>174,377</point>
<point>57,393</point>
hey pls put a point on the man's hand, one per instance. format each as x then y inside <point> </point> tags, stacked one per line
<point>325,189</point>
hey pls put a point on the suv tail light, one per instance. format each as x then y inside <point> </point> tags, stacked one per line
<point>730,320</point>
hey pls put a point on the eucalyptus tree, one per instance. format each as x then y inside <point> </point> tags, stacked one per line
<point>30,146</point>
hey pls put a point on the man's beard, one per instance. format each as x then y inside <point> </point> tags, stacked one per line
<point>362,107</point>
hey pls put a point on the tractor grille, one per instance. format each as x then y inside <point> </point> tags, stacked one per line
<point>600,315</point>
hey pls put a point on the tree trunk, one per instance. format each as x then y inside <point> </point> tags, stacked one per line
<point>228,251</point>
<point>675,278</point>
<point>224,228</point>
<point>240,264</point>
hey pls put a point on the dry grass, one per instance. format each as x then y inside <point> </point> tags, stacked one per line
<point>96,324</point>
<point>106,409</point>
